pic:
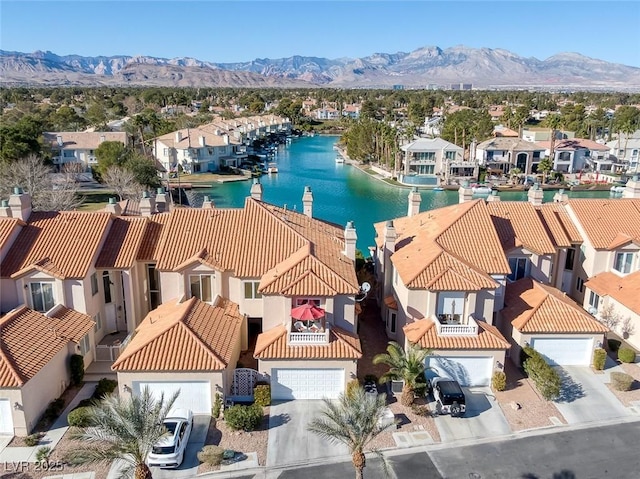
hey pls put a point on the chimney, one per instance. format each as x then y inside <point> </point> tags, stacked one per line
<point>162,204</point>
<point>632,189</point>
<point>414,202</point>
<point>560,196</point>
<point>493,197</point>
<point>102,138</point>
<point>350,238</point>
<point>59,140</point>
<point>5,211</point>
<point>178,136</point>
<point>147,204</point>
<point>389,249</point>
<point>465,193</point>
<point>202,140</point>
<point>307,202</point>
<point>225,138</point>
<point>113,207</point>
<point>535,195</point>
<point>207,204</point>
<point>20,204</point>
<point>256,190</point>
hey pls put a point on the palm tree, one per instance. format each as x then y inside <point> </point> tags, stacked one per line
<point>554,121</point>
<point>403,365</point>
<point>354,420</point>
<point>124,429</point>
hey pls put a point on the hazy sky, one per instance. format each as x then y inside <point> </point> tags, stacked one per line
<point>234,31</point>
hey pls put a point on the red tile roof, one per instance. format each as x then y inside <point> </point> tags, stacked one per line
<point>122,243</point>
<point>7,227</point>
<point>604,220</point>
<point>518,224</point>
<point>561,229</point>
<point>624,289</point>
<point>425,333</point>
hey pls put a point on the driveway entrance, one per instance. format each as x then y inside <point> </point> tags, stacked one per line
<point>483,418</point>
<point>289,440</point>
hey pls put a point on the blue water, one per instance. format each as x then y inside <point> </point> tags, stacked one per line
<point>341,192</point>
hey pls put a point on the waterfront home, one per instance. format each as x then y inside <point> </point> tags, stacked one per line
<point>626,152</point>
<point>501,154</point>
<point>326,113</point>
<point>352,110</point>
<point>434,161</point>
<point>78,148</point>
<point>539,133</point>
<point>575,154</point>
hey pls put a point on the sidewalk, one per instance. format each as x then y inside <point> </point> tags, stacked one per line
<point>53,435</point>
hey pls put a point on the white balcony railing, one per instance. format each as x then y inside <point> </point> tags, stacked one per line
<point>469,329</point>
<point>308,337</point>
<point>111,352</point>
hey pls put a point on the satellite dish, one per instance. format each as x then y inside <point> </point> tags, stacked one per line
<point>365,287</point>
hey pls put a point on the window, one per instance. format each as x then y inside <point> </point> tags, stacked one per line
<point>106,284</point>
<point>154,286</point>
<point>42,296</point>
<point>202,287</point>
<point>391,321</point>
<point>450,155</point>
<point>571,256</point>
<point>594,300</point>
<point>450,305</point>
<point>518,268</point>
<point>94,284</point>
<point>580,284</point>
<point>426,155</point>
<point>98,326</point>
<point>85,345</point>
<point>623,262</point>
<point>251,290</point>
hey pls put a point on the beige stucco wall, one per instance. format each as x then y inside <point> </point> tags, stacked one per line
<point>251,307</point>
<point>350,366</point>
<point>277,311</point>
<point>623,312</point>
<point>9,298</point>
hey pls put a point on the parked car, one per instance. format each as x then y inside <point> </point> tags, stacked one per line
<point>449,396</point>
<point>168,452</point>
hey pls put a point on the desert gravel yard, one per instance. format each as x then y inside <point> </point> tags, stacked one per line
<point>629,397</point>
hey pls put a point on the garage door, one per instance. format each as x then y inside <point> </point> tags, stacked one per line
<point>564,352</point>
<point>467,370</point>
<point>6,420</point>
<point>306,383</point>
<point>194,395</point>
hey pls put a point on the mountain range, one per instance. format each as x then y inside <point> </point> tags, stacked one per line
<point>483,67</point>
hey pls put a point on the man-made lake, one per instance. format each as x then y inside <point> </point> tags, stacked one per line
<point>340,192</point>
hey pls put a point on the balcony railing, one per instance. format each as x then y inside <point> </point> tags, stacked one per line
<point>308,337</point>
<point>452,329</point>
<point>111,352</point>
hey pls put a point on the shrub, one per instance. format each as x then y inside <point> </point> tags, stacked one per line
<point>262,395</point>
<point>211,455</point>
<point>43,453</point>
<point>352,387</point>
<point>54,409</point>
<point>217,406</point>
<point>499,381</point>
<point>613,344</point>
<point>420,388</point>
<point>85,403</point>
<point>599,358</point>
<point>79,417</point>
<point>245,418</point>
<point>626,355</point>
<point>421,410</point>
<point>104,388</point>
<point>76,364</point>
<point>621,381</point>
<point>33,439</point>
<point>545,378</point>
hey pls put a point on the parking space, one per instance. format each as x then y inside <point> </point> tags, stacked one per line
<point>289,440</point>
<point>483,418</point>
<point>189,466</point>
<point>584,396</point>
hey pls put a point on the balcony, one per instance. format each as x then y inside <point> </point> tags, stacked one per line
<point>308,337</point>
<point>111,346</point>
<point>451,325</point>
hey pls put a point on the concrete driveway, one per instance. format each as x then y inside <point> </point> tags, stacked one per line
<point>189,467</point>
<point>483,418</point>
<point>584,397</point>
<point>289,440</point>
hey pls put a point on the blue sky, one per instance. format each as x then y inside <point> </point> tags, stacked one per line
<point>234,31</point>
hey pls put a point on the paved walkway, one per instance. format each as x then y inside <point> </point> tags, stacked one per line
<point>53,435</point>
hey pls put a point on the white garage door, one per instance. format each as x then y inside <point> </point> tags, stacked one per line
<point>6,420</point>
<point>306,383</point>
<point>467,370</point>
<point>564,352</point>
<point>194,395</point>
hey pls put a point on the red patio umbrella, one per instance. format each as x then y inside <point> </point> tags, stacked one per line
<point>307,312</point>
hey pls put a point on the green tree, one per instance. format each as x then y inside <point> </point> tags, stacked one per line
<point>108,154</point>
<point>626,120</point>
<point>20,139</point>
<point>553,122</point>
<point>355,420</point>
<point>67,119</point>
<point>403,365</point>
<point>124,429</point>
<point>545,165</point>
<point>520,116</point>
<point>143,169</point>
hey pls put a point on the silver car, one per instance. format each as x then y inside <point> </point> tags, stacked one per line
<point>168,452</point>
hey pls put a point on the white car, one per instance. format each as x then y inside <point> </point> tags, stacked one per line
<point>168,452</point>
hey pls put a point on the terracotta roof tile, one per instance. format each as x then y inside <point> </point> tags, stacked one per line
<point>604,219</point>
<point>7,227</point>
<point>45,265</point>
<point>187,336</point>
<point>447,273</point>
<point>624,289</point>
<point>122,243</point>
<point>273,345</point>
<point>70,324</point>
<point>425,333</point>
<point>151,239</point>
<point>532,307</point>
<point>82,140</point>
<point>517,222</point>
<point>29,340</point>
<point>68,240</point>
<point>561,230</point>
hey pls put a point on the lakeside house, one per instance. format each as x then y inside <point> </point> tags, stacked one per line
<point>434,161</point>
<point>501,154</point>
<point>78,147</point>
